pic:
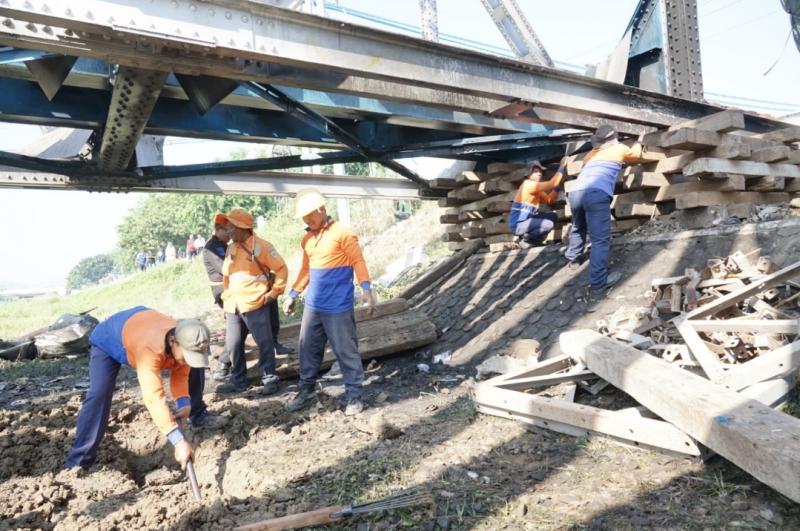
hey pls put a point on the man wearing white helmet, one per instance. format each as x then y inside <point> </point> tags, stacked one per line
<point>331,256</point>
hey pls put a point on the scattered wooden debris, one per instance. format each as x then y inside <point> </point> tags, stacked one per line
<point>708,358</point>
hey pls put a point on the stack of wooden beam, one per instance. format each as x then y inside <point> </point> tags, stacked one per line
<point>701,163</point>
<point>390,329</point>
<point>707,162</point>
<point>708,361</point>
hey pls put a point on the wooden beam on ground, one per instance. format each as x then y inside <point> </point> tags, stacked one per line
<point>708,360</point>
<point>787,273</point>
<point>532,382</point>
<point>765,367</point>
<point>758,439</point>
<point>636,430</point>
<point>764,326</point>
<point>382,309</point>
<point>552,365</point>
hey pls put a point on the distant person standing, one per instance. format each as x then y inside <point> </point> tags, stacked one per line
<point>191,250</point>
<point>199,243</point>
<point>151,259</point>
<point>141,260</point>
<point>160,255</point>
<point>170,253</point>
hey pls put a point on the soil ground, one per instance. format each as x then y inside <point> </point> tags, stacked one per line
<point>420,430</point>
<point>483,472</point>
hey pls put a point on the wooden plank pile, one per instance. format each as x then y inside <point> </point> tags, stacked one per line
<point>711,356</point>
<point>392,328</point>
<point>701,163</point>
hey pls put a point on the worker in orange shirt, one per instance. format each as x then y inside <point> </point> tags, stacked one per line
<point>526,220</point>
<point>248,291</point>
<point>590,203</point>
<point>331,255</point>
<point>150,342</point>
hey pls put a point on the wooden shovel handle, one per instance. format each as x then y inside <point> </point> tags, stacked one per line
<point>295,521</point>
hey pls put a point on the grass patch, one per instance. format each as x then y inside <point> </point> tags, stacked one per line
<point>41,368</point>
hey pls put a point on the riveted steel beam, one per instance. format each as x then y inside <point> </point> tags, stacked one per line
<point>135,94</point>
<point>258,33</point>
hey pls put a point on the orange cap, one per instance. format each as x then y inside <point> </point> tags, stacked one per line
<point>239,218</point>
<point>220,219</point>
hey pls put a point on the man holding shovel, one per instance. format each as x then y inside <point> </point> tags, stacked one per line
<point>150,342</point>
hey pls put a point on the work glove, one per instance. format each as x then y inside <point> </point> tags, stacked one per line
<point>288,306</point>
<point>368,298</point>
<point>183,453</point>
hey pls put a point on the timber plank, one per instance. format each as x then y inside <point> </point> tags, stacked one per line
<point>637,430</point>
<point>469,176</point>
<point>721,122</point>
<point>703,199</point>
<point>744,167</point>
<point>765,367</point>
<point>758,439</point>
<point>784,135</point>
<point>771,154</point>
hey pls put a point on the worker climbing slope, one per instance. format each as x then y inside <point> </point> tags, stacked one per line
<point>590,203</point>
<point>331,256</point>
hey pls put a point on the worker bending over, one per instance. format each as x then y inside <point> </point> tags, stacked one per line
<point>590,203</point>
<point>331,255</point>
<point>150,342</point>
<point>526,221</point>
<point>248,292</point>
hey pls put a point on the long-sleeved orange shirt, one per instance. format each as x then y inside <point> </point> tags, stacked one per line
<point>330,257</point>
<point>529,196</point>
<point>144,339</point>
<point>244,284</point>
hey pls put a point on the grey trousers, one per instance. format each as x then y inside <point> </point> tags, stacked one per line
<point>318,328</point>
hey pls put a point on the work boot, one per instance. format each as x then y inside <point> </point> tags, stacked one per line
<point>207,421</point>
<point>302,400</point>
<point>354,407</point>
<point>221,373</point>
<point>270,388</point>
<point>573,266</point>
<point>613,278</point>
<point>230,388</point>
<point>524,243</point>
<point>282,349</point>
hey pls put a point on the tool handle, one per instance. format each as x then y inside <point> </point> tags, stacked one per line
<point>295,521</point>
<point>193,480</point>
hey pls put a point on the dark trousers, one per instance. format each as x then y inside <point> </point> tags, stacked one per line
<point>591,210</point>
<point>536,227</point>
<point>93,417</point>
<point>256,323</point>
<point>340,328</point>
<point>275,326</point>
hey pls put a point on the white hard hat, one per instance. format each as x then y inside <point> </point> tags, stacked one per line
<point>307,201</point>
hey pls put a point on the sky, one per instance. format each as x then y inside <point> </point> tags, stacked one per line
<point>50,231</point>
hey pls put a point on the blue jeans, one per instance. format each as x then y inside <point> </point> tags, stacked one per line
<point>93,417</point>
<point>591,209</point>
<point>340,328</point>
<point>537,226</point>
<point>256,323</point>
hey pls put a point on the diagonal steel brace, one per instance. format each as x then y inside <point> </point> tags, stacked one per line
<point>321,123</point>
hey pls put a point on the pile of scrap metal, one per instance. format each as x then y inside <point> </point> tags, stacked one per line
<point>710,363</point>
<point>68,335</point>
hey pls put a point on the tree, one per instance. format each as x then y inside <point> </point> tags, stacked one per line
<point>162,218</point>
<point>90,271</point>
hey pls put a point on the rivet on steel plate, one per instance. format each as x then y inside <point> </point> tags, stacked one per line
<point>228,15</point>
